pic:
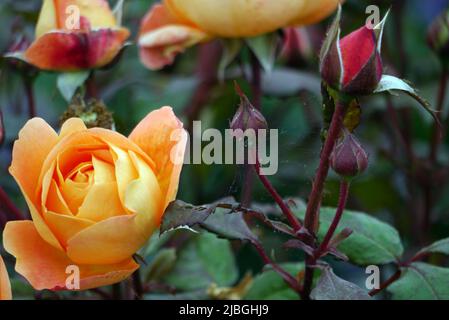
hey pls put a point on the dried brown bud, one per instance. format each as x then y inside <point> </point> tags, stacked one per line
<point>348,158</point>
<point>94,113</point>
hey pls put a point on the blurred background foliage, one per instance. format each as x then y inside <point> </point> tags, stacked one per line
<point>291,102</point>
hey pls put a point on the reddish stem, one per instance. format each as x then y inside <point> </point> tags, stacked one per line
<point>10,206</point>
<point>311,217</point>
<point>288,278</point>
<point>91,86</point>
<point>344,192</point>
<point>386,283</point>
<point>285,209</point>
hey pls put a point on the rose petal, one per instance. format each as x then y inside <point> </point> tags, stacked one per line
<point>55,14</point>
<point>101,202</point>
<point>161,136</point>
<point>45,267</point>
<point>356,50</point>
<point>116,238</point>
<point>35,141</point>
<point>64,226</point>
<point>162,36</point>
<point>315,11</point>
<point>238,18</point>
<point>5,285</point>
<point>71,51</point>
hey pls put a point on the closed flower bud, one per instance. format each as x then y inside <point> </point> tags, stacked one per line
<point>438,36</point>
<point>349,159</point>
<point>247,117</point>
<point>352,65</point>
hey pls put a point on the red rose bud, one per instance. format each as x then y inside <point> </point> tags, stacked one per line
<point>352,65</point>
<point>247,117</point>
<point>438,36</point>
<point>348,158</point>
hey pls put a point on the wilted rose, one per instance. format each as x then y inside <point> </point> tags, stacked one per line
<point>95,197</point>
<point>75,34</point>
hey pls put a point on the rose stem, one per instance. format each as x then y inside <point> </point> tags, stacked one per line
<point>344,192</point>
<point>91,86</point>
<point>285,209</point>
<point>256,85</point>
<point>387,282</point>
<point>288,278</point>
<point>10,206</point>
<point>311,217</point>
<point>29,92</point>
<point>137,283</point>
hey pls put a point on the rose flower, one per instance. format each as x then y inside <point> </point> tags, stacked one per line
<point>174,25</point>
<point>95,197</point>
<point>73,35</point>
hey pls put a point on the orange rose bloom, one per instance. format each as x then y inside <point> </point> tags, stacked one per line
<point>174,25</point>
<point>5,286</point>
<point>65,43</point>
<point>95,197</point>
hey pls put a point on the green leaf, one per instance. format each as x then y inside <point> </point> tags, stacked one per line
<point>232,48</point>
<point>390,83</point>
<point>372,241</point>
<point>270,286</point>
<point>68,83</point>
<point>441,246</point>
<point>264,48</point>
<point>421,281</point>
<point>204,260</point>
<point>331,287</point>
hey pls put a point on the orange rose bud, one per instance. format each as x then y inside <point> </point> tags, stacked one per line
<point>247,117</point>
<point>352,65</point>
<point>95,198</point>
<point>348,158</point>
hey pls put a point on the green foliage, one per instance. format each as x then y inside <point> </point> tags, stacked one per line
<point>270,286</point>
<point>204,260</point>
<point>421,281</point>
<point>372,241</point>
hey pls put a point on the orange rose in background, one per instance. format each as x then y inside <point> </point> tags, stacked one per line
<point>5,286</point>
<point>75,34</point>
<point>174,25</point>
<point>95,197</point>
